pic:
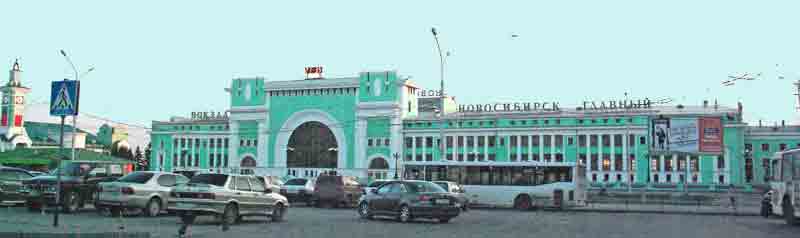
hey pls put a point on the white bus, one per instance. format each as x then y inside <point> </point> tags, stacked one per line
<point>785,185</point>
<point>519,185</point>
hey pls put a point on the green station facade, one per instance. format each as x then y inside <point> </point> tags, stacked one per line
<point>376,124</point>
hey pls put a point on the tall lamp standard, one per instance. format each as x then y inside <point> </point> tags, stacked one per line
<point>74,118</point>
<point>441,93</point>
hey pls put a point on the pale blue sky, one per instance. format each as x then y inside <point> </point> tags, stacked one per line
<point>155,59</point>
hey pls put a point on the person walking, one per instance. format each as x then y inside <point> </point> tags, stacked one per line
<point>732,197</point>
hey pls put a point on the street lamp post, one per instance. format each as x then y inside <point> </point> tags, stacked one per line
<point>441,93</point>
<point>396,163</point>
<point>74,118</point>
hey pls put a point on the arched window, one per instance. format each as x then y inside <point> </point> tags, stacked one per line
<point>378,163</point>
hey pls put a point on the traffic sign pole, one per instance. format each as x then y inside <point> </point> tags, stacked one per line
<point>58,176</point>
<point>63,102</point>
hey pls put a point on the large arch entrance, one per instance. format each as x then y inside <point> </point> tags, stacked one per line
<point>321,151</point>
<point>312,145</point>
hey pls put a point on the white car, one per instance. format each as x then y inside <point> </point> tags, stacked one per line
<point>298,189</point>
<point>145,190</point>
<point>374,185</point>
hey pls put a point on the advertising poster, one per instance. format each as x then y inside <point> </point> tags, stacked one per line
<point>660,134</point>
<point>710,134</point>
<point>683,135</point>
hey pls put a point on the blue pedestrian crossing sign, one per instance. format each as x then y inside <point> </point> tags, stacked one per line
<point>64,98</point>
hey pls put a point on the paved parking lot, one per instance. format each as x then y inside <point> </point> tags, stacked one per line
<point>331,223</point>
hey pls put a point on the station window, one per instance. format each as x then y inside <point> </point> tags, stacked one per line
<point>559,140</point>
<point>386,142</point>
<point>570,140</point>
<point>631,140</point>
<point>593,140</point>
<point>408,142</point>
<point>513,141</point>
<point>558,121</point>
<point>523,122</point>
<point>606,140</point>
<point>580,121</point>
<point>226,142</point>
<point>492,157</point>
<point>617,140</point>
<point>782,147</point>
<point>764,147</point>
<point>605,120</point>
<point>369,142</point>
<point>428,142</point>
<point>512,123</point>
<point>491,141</point>
<point>524,141</point>
<point>582,140</point>
<point>548,140</point>
<point>481,141</point>
<point>470,141</point>
<point>720,162</point>
<point>418,141</point>
<point>535,140</point>
<point>642,140</point>
<point>428,157</point>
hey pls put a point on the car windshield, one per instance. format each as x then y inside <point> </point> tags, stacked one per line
<point>424,187</point>
<point>443,185</point>
<point>78,169</point>
<point>136,177</point>
<point>296,182</point>
<point>329,180</point>
<point>213,179</point>
<point>377,184</point>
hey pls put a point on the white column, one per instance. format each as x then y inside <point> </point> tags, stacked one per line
<point>360,148</point>
<point>424,146</point>
<point>413,148</point>
<point>613,155</point>
<point>486,148</point>
<point>519,147</point>
<point>541,147</point>
<point>588,155</point>
<point>625,156</point>
<point>508,147</point>
<point>263,130</point>
<point>456,151</point>
<point>552,147</point>
<point>233,147</point>
<point>530,147</point>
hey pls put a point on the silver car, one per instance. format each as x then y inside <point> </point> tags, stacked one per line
<point>148,191</point>
<point>298,190</point>
<point>229,197</point>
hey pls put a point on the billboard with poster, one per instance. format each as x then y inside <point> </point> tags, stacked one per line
<point>683,135</point>
<point>660,134</point>
<point>710,134</point>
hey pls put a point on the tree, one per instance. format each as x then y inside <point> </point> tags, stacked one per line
<point>145,161</point>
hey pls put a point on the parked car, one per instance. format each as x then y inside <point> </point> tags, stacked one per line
<point>458,192</point>
<point>410,199</point>
<point>228,197</point>
<point>36,173</point>
<point>10,184</point>
<point>148,191</point>
<point>274,182</point>
<point>187,173</point>
<point>298,189</point>
<point>336,190</point>
<point>79,184</point>
<point>374,185</point>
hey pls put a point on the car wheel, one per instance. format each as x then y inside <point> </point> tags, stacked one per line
<point>405,214</point>
<point>363,211</point>
<point>444,220</point>
<point>522,202</point>
<point>33,207</point>
<point>231,215</point>
<point>278,212</point>
<point>71,202</point>
<point>788,213</point>
<point>153,207</point>
<point>116,211</point>
<point>186,218</point>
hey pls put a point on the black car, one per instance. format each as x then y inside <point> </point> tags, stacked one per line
<point>10,182</point>
<point>79,181</point>
<point>408,200</point>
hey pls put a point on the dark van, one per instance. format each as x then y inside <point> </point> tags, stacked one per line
<point>336,191</point>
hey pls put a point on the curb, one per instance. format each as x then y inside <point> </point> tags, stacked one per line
<point>666,212</point>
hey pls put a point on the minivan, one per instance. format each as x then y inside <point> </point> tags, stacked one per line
<point>336,191</point>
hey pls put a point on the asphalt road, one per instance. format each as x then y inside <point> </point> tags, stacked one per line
<point>332,223</point>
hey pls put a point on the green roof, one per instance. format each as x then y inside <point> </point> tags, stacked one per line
<point>47,133</point>
<point>44,156</point>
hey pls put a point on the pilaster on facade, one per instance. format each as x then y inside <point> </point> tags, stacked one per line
<point>233,147</point>
<point>263,139</point>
